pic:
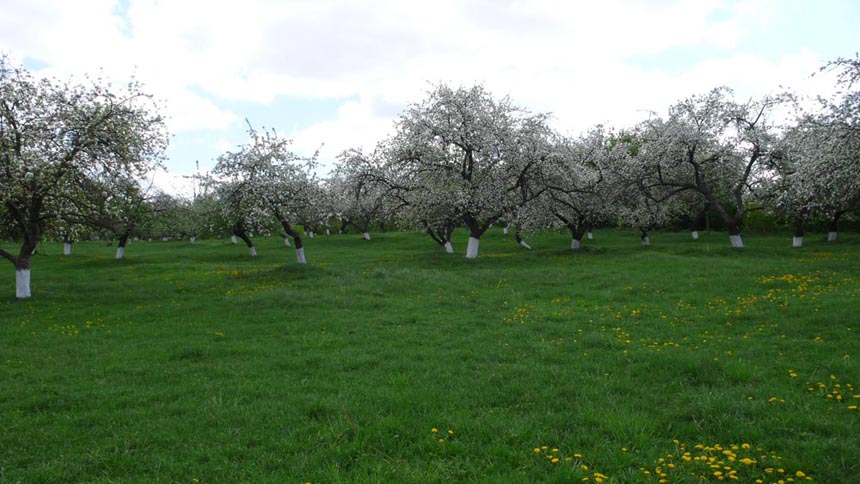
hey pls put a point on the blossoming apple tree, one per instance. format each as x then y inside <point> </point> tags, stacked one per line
<point>264,182</point>
<point>54,136</point>
<point>485,152</point>
<point>714,146</point>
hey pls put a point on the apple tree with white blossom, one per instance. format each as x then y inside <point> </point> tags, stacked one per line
<point>485,152</point>
<point>55,136</point>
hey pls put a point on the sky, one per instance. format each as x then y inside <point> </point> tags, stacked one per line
<point>335,74</point>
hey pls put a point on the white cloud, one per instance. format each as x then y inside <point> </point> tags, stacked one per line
<point>356,126</point>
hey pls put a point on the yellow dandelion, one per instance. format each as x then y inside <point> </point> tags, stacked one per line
<point>434,430</point>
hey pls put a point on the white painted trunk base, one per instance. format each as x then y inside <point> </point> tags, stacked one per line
<point>449,248</point>
<point>287,242</point>
<point>695,234</point>
<point>525,244</point>
<point>590,235</point>
<point>574,244</point>
<point>234,239</point>
<point>646,241</point>
<point>165,239</point>
<point>253,251</point>
<point>328,231</point>
<point>472,248</point>
<point>120,252</point>
<point>22,283</point>
<point>67,248</point>
<point>193,240</point>
<point>300,256</point>
<point>366,235</point>
<point>797,242</point>
<point>736,241</point>
<point>311,235</point>
<point>505,231</point>
<point>831,236</point>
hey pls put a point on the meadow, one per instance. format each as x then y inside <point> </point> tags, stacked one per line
<point>389,361</point>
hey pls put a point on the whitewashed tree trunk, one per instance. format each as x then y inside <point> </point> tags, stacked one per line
<point>736,241</point>
<point>311,234</point>
<point>300,256</point>
<point>120,252</point>
<point>695,234</point>
<point>328,231</point>
<point>67,248</point>
<point>366,236</point>
<point>234,239</point>
<point>472,248</point>
<point>287,241</point>
<point>253,251</point>
<point>525,244</point>
<point>574,244</point>
<point>797,242</point>
<point>505,231</point>
<point>831,236</point>
<point>646,240</point>
<point>449,248</point>
<point>590,235</point>
<point>22,283</point>
<point>193,240</point>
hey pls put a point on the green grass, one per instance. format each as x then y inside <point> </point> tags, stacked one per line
<point>197,363</point>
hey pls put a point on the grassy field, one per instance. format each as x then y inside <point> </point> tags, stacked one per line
<point>388,361</point>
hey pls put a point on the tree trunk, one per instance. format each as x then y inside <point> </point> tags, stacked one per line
<point>735,236</point>
<point>67,245</point>
<point>519,239</point>
<point>643,234</point>
<point>800,228</point>
<point>239,231</point>
<point>443,239</point>
<point>192,240</point>
<point>472,248</point>
<point>366,235</point>
<point>22,277</point>
<point>120,250</point>
<point>287,241</point>
<point>732,222</point>
<point>297,239</point>
<point>699,222</point>
<point>233,239</point>
<point>576,232</point>
<point>832,227</point>
<point>476,230</point>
